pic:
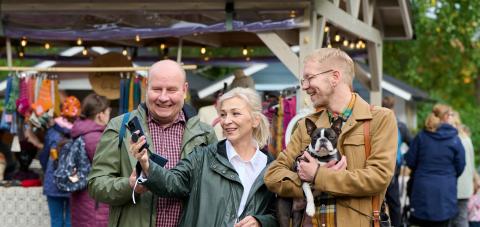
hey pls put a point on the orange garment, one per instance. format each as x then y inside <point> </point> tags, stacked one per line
<point>44,100</point>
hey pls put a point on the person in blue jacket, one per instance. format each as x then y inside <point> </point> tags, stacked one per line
<point>436,158</point>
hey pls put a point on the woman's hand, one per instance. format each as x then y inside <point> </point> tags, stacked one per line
<point>248,221</point>
<point>141,156</point>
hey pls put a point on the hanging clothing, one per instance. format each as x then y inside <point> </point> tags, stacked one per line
<point>122,94</point>
<point>130,94</point>
<point>279,137</point>
<point>44,101</point>
<point>290,110</point>
<point>56,108</point>
<point>137,92</point>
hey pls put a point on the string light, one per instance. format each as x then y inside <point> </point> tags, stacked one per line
<point>203,50</point>
<point>162,46</point>
<point>337,38</point>
<point>79,41</point>
<point>326,29</point>
<point>47,46</point>
<point>345,42</point>
<point>21,54</point>
<point>137,38</point>
<point>85,51</point>
<point>352,45</point>
<point>293,14</point>
<point>124,52</point>
<point>23,43</point>
<point>245,51</point>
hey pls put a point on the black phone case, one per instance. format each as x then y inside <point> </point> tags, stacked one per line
<point>158,159</point>
<point>136,130</point>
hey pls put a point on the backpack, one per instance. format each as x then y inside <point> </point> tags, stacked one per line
<point>73,166</point>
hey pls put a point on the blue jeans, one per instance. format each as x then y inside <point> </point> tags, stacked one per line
<point>59,208</point>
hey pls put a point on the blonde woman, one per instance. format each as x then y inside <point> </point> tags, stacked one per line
<point>221,184</point>
<point>465,183</point>
<point>437,158</point>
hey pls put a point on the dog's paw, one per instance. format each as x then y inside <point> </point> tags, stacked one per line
<point>310,210</point>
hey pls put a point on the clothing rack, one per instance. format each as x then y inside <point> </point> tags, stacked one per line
<point>85,69</point>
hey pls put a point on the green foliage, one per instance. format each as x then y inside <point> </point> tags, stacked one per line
<point>443,59</point>
<point>15,62</point>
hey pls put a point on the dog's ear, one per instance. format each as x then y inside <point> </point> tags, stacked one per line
<point>310,126</point>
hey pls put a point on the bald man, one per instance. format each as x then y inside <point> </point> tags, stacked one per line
<point>171,130</point>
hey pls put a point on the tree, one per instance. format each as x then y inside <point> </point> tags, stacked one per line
<point>443,58</point>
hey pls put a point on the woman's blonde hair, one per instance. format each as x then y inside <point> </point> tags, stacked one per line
<point>434,119</point>
<point>457,123</point>
<point>261,134</point>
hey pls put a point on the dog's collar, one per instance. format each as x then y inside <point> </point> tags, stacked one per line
<point>312,153</point>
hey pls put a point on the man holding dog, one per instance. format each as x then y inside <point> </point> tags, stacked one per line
<point>347,186</point>
<point>172,130</point>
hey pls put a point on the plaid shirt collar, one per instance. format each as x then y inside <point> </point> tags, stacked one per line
<point>180,119</point>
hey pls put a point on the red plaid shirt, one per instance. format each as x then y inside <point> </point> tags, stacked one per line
<point>168,143</point>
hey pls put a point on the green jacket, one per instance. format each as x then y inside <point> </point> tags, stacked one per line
<point>111,168</point>
<point>211,189</point>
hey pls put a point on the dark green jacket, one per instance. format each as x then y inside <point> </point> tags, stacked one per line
<point>211,189</point>
<point>111,167</point>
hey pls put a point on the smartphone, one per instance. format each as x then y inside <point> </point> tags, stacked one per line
<point>135,129</point>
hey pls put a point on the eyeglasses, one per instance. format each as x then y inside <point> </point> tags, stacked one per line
<point>306,81</point>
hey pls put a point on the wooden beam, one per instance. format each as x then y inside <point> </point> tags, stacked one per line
<point>353,7</point>
<point>407,24</point>
<point>375,63</point>
<point>347,22</point>
<point>363,76</point>
<point>281,50</point>
<point>12,6</point>
<point>368,8</point>
<point>8,47</point>
<point>84,69</point>
<point>211,39</point>
<point>320,24</point>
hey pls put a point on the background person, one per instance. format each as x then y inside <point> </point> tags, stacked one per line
<point>436,158</point>
<point>95,114</point>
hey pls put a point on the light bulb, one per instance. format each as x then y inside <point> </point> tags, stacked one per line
<point>337,38</point>
<point>23,42</point>
<point>327,29</point>
<point>84,51</point>
<point>79,41</point>
<point>137,38</point>
<point>203,50</point>
<point>124,52</point>
<point>245,51</point>
<point>345,42</point>
<point>162,46</point>
<point>47,46</point>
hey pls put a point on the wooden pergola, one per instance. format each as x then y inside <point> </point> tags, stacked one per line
<point>370,20</point>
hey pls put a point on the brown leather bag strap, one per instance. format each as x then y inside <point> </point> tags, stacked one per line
<point>368,149</point>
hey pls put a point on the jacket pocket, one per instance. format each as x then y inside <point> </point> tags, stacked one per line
<point>354,149</point>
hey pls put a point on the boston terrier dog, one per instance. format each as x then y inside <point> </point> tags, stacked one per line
<point>323,147</point>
